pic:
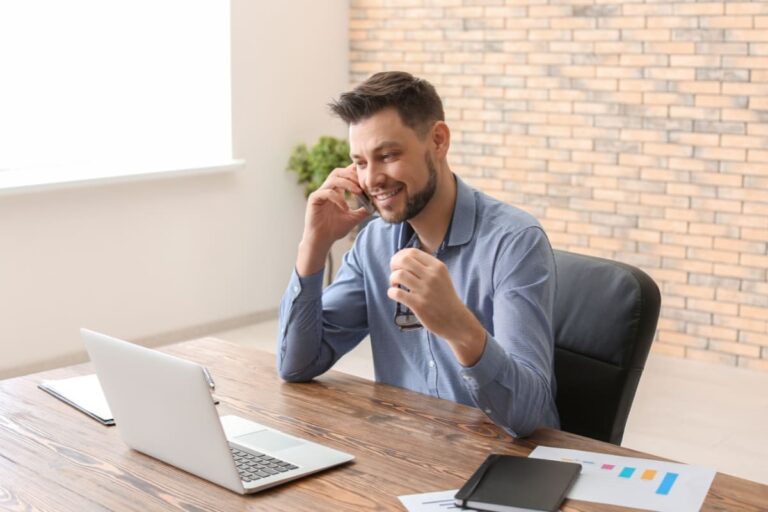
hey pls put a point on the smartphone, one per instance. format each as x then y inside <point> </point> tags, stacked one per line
<point>365,201</point>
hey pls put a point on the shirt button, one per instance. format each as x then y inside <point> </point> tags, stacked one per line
<point>296,289</point>
<point>487,411</point>
<point>431,364</point>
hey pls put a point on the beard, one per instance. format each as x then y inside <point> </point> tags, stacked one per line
<point>416,203</point>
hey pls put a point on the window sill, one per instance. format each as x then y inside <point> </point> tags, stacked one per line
<point>22,181</point>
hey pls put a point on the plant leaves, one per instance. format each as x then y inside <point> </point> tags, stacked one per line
<point>315,164</point>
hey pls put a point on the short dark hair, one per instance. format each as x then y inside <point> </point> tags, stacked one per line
<point>415,99</point>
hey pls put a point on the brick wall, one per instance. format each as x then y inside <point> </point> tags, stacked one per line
<point>633,130</point>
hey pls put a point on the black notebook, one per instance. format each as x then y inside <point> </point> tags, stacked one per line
<point>506,483</point>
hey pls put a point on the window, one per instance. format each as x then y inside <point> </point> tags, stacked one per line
<point>94,88</point>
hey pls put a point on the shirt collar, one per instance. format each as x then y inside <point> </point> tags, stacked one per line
<point>464,212</point>
<point>462,225</point>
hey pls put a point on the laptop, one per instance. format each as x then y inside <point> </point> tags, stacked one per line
<point>163,407</point>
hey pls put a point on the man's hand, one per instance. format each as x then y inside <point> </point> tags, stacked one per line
<point>328,218</point>
<point>432,298</point>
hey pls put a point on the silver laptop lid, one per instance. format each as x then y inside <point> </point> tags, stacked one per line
<point>163,407</point>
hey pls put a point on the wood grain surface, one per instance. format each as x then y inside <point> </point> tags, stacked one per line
<point>53,457</point>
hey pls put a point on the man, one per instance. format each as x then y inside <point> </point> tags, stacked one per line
<point>455,288</point>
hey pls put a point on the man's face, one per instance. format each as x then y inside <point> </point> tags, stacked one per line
<point>394,166</point>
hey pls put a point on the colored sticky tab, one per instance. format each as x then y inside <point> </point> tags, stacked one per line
<point>666,484</point>
<point>607,466</point>
<point>626,472</point>
<point>648,474</point>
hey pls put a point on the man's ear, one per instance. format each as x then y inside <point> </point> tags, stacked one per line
<point>441,138</point>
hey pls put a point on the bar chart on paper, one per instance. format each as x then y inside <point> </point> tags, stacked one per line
<point>631,482</point>
<point>664,480</point>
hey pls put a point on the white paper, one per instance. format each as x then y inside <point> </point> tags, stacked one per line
<point>84,391</point>
<point>431,502</point>
<point>632,482</point>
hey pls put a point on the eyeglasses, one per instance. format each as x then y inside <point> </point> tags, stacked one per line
<point>405,319</point>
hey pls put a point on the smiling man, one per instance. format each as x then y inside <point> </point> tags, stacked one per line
<point>455,288</point>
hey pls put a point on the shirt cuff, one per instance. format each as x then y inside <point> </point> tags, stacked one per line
<point>306,288</point>
<point>488,367</point>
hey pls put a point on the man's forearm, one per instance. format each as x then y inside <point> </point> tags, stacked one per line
<point>467,339</point>
<point>311,257</point>
<point>513,394</point>
<point>299,339</point>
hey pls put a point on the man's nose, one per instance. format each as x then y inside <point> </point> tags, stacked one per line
<point>373,176</point>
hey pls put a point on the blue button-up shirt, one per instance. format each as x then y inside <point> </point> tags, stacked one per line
<point>502,268</point>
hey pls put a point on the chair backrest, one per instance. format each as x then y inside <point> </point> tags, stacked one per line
<point>605,321</point>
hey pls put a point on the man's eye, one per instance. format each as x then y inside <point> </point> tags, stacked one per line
<point>360,165</point>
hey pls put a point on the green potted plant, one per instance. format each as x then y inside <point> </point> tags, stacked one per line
<point>313,165</point>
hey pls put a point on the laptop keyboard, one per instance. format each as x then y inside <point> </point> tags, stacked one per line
<point>255,466</point>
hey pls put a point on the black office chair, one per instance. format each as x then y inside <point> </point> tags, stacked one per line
<point>605,321</point>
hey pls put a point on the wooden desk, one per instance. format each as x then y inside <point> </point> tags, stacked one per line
<point>53,457</point>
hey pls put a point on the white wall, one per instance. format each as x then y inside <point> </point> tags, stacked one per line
<point>144,260</point>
